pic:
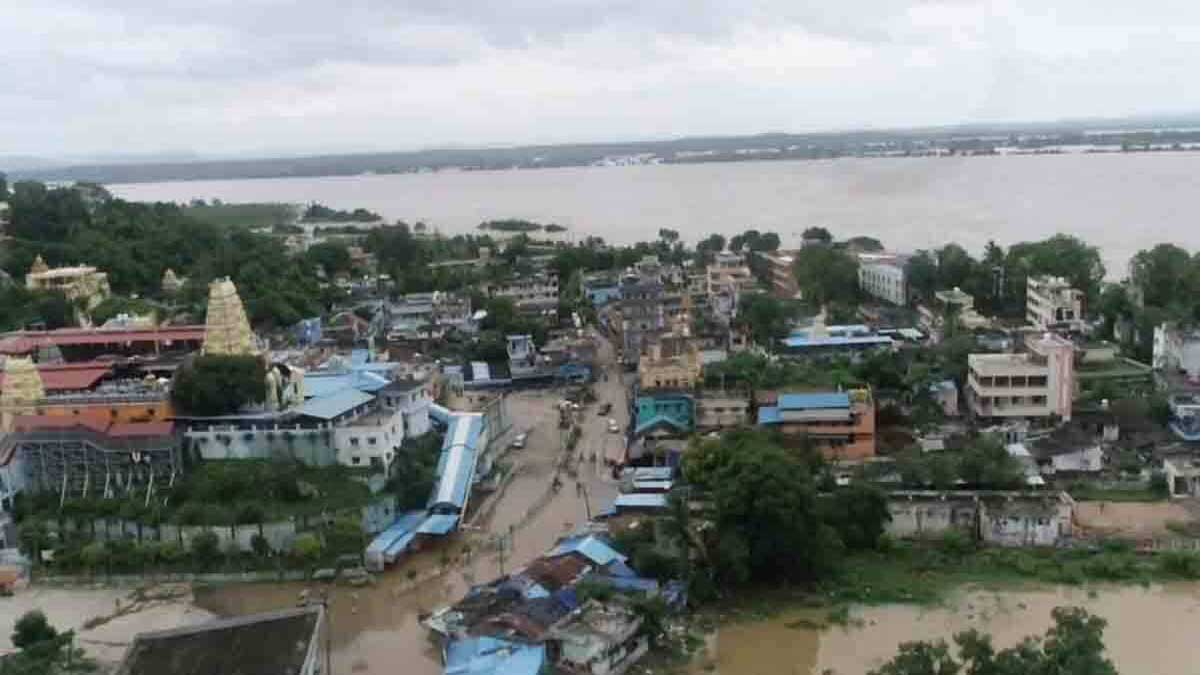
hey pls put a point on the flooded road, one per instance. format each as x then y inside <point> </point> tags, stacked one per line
<point>374,629</point>
<point>1150,630</point>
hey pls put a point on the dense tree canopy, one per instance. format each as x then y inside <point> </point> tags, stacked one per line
<point>766,317</point>
<point>770,522</point>
<point>826,274</point>
<point>997,280</point>
<point>818,234</point>
<point>136,242</point>
<point>1074,645</point>
<point>219,385</point>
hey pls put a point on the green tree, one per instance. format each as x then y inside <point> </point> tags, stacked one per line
<point>1074,645</point>
<point>1164,274</point>
<point>826,275</point>
<point>763,501</point>
<point>859,513</point>
<point>219,384</point>
<point>986,463</point>
<point>817,234</point>
<point>206,548</point>
<point>32,628</point>
<point>332,257</point>
<point>866,244</point>
<point>766,317</point>
<point>921,271</point>
<point>307,549</point>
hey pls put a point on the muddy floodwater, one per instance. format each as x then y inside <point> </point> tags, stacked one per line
<point>1150,630</point>
<point>375,629</point>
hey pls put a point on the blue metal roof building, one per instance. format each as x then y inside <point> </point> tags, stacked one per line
<point>341,404</point>
<point>590,546</point>
<point>493,656</point>
<point>391,542</point>
<point>465,437</point>
<point>822,401</point>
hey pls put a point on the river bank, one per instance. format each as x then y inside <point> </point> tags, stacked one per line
<point>1149,630</point>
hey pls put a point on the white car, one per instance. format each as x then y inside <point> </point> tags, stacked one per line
<point>613,426</point>
<point>519,441</point>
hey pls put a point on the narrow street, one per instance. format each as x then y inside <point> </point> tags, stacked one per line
<point>375,629</point>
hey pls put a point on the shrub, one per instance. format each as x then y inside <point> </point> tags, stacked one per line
<point>1180,564</point>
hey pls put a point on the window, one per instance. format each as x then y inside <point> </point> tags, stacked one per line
<point>355,460</point>
<point>354,441</point>
<point>371,440</point>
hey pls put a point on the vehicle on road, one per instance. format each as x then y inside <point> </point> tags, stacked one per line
<point>605,409</point>
<point>519,441</point>
<point>613,426</point>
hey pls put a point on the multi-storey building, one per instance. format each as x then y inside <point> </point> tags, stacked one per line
<point>1051,304</point>
<point>638,317</point>
<point>429,315</point>
<point>882,276</point>
<point>841,425</point>
<point>718,410</point>
<point>533,295</point>
<point>1037,383</point>
<point>783,276</point>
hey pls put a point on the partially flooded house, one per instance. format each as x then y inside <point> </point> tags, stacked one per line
<point>1000,518</point>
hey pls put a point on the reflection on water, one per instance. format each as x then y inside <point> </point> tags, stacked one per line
<point>1150,630</point>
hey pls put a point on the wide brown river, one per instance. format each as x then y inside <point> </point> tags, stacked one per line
<point>1151,631</point>
<point>1120,202</point>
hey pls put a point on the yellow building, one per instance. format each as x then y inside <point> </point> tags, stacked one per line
<point>673,362</point>
<point>82,283</point>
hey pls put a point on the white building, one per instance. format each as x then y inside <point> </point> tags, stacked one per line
<point>1051,304</point>
<point>725,280</point>
<point>536,294</point>
<point>1038,383</point>
<point>1177,350</point>
<point>429,315</point>
<point>883,277</point>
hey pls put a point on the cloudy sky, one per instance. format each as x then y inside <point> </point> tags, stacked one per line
<point>227,77</point>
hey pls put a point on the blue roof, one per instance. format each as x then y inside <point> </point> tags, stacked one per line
<point>456,466</point>
<point>334,405</point>
<point>769,414</point>
<point>642,427</point>
<point>826,401</point>
<point>803,342</point>
<point>438,523</point>
<point>653,473</point>
<point>618,568</point>
<point>589,546</point>
<point>638,584</point>
<point>439,413</point>
<point>321,385</point>
<point>399,545</point>
<point>359,357</point>
<point>493,656</point>
<point>640,501</point>
<point>402,526</point>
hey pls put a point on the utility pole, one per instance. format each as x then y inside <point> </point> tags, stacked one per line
<point>586,502</point>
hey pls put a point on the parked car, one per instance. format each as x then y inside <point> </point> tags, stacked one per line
<point>519,441</point>
<point>613,426</point>
<point>605,409</point>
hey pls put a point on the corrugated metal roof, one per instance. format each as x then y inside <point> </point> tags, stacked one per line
<point>640,501</point>
<point>801,343</point>
<point>456,466</point>
<point>824,401</point>
<point>403,525</point>
<point>589,546</point>
<point>438,523</point>
<point>334,405</point>
<point>493,656</point>
<point>769,414</point>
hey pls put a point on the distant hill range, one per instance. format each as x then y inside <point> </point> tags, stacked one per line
<point>1157,134</point>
